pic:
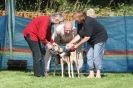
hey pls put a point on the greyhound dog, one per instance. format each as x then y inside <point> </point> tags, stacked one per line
<point>69,58</point>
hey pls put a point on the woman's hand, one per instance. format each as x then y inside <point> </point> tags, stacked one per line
<point>49,45</point>
<point>76,46</point>
<point>55,44</point>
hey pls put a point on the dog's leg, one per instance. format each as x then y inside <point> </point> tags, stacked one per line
<point>47,59</point>
<point>77,69</point>
<point>55,65</point>
<point>80,62</point>
<point>69,70</point>
<point>62,68</point>
<point>72,59</point>
<point>68,63</point>
<point>77,64</point>
<point>54,69</point>
<point>72,69</point>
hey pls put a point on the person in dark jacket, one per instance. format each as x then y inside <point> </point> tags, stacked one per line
<point>39,31</point>
<point>92,32</point>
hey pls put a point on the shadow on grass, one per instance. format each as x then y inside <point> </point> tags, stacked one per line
<point>58,74</point>
<point>14,70</point>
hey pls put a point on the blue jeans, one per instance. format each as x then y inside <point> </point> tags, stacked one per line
<point>95,55</point>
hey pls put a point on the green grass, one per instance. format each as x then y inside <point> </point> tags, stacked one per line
<point>16,79</point>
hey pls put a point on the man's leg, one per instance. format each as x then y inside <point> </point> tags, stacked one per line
<point>37,57</point>
<point>98,56</point>
<point>90,56</point>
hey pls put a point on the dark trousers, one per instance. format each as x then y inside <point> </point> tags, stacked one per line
<point>38,62</point>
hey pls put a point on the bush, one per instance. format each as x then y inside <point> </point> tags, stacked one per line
<point>103,8</point>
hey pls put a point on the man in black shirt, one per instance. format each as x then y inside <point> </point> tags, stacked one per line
<point>92,32</point>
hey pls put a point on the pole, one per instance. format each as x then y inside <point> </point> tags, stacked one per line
<point>10,6</point>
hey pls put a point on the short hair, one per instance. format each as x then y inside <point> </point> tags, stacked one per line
<point>58,14</point>
<point>91,13</point>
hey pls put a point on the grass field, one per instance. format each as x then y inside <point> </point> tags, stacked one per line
<point>17,79</point>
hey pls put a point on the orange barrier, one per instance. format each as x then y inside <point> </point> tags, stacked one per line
<point>32,15</point>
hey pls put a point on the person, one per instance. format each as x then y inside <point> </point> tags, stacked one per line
<point>63,34</point>
<point>91,13</point>
<point>36,32</point>
<point>92,32</point>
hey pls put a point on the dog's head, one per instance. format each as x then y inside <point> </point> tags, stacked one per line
<point>56,50</point>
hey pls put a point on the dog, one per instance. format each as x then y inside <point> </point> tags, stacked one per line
<point>69,58</point>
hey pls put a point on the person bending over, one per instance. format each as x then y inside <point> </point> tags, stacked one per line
<point>36,32</point>
<point>95,35</point>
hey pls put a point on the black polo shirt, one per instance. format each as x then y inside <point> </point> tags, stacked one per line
<point>93,29</point>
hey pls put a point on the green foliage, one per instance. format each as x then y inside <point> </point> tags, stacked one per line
<point>2,5</point>
<point>102,7</point>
